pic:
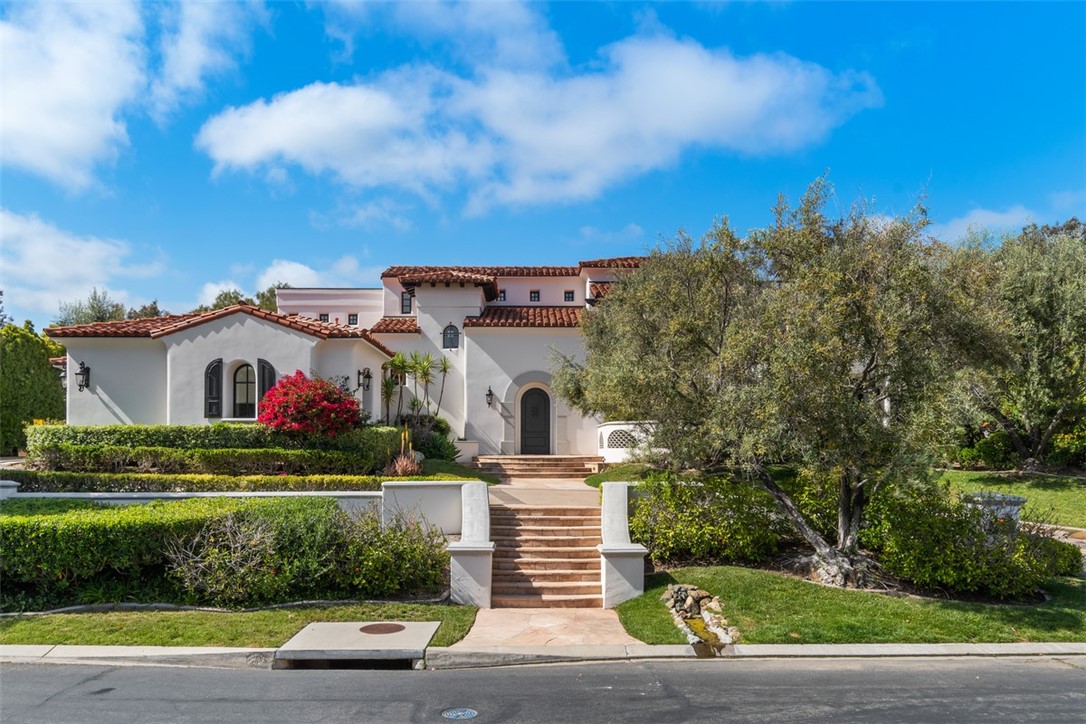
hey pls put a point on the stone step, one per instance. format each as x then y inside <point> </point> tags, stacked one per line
<point>562,588</point>
<point>527,511</point>
<point>547,564</point>
<point>544,521</point>
<point>538,458</point>
<point>516,531</point>
<point>553,575</point>
<point>537,600</point>
<point>548,541</point>
<point>548,553</point>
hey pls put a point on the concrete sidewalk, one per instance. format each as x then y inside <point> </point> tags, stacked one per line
<point>466,657</point>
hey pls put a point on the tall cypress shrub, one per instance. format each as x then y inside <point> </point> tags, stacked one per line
<point>29,386</point>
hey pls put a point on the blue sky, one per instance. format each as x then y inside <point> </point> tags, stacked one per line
<point>167,151</point>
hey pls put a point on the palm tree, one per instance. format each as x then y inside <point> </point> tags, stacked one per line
<point>398,366</point>
<point>425,375</point>
<point>414,365</point>
<point>443,368</point>
<point>388,390</point>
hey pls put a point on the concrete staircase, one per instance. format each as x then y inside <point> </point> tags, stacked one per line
<point>545,556</point>
<point>538,466</point>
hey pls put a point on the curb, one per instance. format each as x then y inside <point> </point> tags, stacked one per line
<point>491,656</point>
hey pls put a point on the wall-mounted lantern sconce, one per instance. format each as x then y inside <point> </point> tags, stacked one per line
<point>364,379</point>
<point>82,376</point>
<point>489,396</point>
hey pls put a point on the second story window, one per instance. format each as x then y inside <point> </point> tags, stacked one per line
<point>405,303</point>
<point>533,296</point>
<point>501,295</point>
<point>569,295</point>
<point>352,319</point>
<point>323,317</point>
<point>450,338</point>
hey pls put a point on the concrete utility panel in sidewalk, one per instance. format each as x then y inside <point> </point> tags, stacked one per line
<point>359,640</point>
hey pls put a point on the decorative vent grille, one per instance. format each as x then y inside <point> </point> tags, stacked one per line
<point>621,439</point>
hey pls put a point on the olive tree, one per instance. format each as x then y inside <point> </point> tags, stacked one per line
<point>1038,286</point>
<point>822,342</point>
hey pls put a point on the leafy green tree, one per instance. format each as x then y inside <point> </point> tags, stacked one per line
<point>1038,286</point>
<point>266,298</point>
<point>29,386</point>
<point>4,318</point>
<point>150,309</point>
<point>225,298</point>
<point>97,307</point>
<point>819,342</point>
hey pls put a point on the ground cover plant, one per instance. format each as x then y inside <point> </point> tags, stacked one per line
<point>773,608</point>
<point>223,551</point>
<point>256,629</point>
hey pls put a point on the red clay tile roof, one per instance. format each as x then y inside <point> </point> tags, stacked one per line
<point>598,289</point>
<point>526,317</point>
<point>618,262</point>
<point>156,327</point>
<point>396,325</point>
<point>486,271</point>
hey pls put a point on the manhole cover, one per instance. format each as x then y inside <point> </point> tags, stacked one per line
<point>382,628</point>
<point>460,712</point>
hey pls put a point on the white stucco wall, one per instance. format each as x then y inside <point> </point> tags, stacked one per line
<point>368,304</point>
<point>127,381</point>
<point>551,291</point>
<point>237,339</point>
<point>347,357</point>
<point>510,361</point>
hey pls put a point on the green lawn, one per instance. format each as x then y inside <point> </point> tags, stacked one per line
<point>258,629</point>
<point>624,472</point>
<point>769,608</point>
<point>1059,498</point>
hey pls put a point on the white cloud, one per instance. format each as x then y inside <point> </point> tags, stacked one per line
<point>210,290</point>
<point>68,71</point>
<point>523,136</point>
<point>42,265</point>
<point>343,272</point>
<point>981,220</point>
<point>503,34</point>
<point>199,39</point>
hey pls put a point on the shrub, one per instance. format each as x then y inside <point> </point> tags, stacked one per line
<point>935,541</point>
<point>714,520</point>
<point>300,405</point>
<point>994,452</point>
<point>1068,450</point>
<point>64,482</point>
<point>29,387</point>
<point>405,556</point>
<point>430,436</point>
<point>377,439</point>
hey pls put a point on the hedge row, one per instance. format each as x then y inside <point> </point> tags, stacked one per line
<point>221,461</point>
<point>32,481</point>
<point>379,439</point>
<point>219,551</point>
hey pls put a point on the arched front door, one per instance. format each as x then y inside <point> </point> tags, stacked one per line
<point>535,423</point>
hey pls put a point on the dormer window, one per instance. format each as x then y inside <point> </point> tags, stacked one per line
<point>450,338</point>
<point>533,296</point>
<point>405,303</point>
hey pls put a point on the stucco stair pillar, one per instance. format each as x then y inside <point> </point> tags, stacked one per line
<point>471,558</point>
<point>622,562</point>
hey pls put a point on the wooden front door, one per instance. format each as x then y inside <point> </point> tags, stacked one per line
<point>535,423</point>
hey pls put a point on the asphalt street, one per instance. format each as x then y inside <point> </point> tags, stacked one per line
<point>1047,689</point>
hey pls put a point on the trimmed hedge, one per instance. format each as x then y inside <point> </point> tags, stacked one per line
<point>214,550</point>
<point>32,481</point>
<point>221,461</point>
<point>378,439</point>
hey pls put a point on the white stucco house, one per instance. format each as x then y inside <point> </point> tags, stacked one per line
<point>497,325</point>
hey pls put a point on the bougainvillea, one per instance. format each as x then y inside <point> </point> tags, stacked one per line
<point>308,406</point>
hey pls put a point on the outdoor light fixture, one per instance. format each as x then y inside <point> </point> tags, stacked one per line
<point>364,378</point>
<point>82,376</point>
<point>489,396</point>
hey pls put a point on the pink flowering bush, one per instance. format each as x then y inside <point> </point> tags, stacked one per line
<point>298,404</point>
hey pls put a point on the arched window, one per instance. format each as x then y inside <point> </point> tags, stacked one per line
<point>450,338</point>
<point>244,392</point>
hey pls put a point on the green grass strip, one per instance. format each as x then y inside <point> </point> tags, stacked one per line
<point>770,608</point>
<point>1056,498</point>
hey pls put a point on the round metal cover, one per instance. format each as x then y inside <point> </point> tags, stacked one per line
<point>460,712</point>
<point>381,628</point>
